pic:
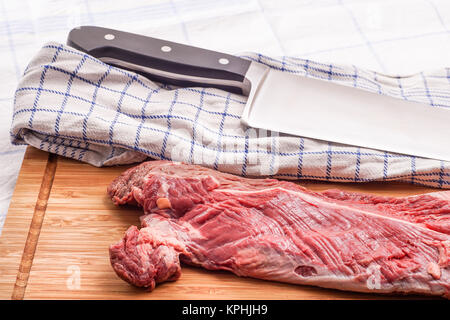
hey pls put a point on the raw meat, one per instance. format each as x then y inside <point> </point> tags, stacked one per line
<point>278,230</point>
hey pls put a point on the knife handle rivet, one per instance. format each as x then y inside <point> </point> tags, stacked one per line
<point>224,61</point>
<point>109,36</point>
<point>166,49</point>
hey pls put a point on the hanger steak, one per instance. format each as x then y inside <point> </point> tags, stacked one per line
<point>277,230</point>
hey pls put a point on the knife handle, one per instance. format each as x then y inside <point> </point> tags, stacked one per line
<point>163,61</point>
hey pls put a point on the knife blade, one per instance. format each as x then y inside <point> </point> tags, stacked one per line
<point>280,101</point>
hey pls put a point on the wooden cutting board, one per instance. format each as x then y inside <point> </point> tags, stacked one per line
<point>54,243</point>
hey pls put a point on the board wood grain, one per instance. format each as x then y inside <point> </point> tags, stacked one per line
<point>17,224</point>
<point>72,234</point>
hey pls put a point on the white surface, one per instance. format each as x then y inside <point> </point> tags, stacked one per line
<point>402,36</point>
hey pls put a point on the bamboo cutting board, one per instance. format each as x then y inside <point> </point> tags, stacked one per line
<point>54,244</point>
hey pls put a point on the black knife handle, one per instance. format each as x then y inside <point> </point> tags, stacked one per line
<point>163,61</point>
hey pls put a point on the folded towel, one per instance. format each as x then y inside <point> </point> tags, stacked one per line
<point>74,105</point>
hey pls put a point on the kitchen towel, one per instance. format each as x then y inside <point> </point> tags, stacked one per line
<point>74,105</point>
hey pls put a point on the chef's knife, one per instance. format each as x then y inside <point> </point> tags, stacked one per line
<point>280,101</point>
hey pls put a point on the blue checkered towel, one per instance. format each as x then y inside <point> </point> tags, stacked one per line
<point>74,105</point>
